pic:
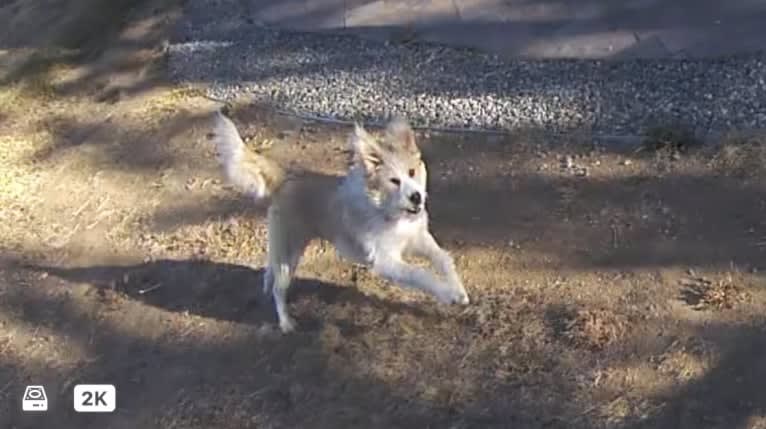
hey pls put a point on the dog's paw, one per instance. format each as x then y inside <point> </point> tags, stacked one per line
<point>287,325</point>
<point>453,294</point>
<point>458,292</point>
<point>461,298</point>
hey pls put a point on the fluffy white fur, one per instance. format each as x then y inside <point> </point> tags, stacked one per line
<point>373,215</point>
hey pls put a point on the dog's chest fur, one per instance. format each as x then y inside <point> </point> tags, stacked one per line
<point>380,237</point>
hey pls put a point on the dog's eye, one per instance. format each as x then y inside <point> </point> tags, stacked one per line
<point>396,181</point>
<point>411,172</point>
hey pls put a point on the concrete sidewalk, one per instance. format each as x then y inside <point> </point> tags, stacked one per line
<point>619,29</point>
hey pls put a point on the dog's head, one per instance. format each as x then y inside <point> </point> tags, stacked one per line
<point>394,172</point>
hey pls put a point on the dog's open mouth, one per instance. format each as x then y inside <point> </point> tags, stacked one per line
<point>413,210</point>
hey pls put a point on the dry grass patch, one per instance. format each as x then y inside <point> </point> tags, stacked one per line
<point>705,294</point>
<point>741,155</point>
<point>595,328</point>
<point>673,137</point>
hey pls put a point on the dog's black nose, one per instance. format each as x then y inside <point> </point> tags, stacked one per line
<point>415,198</point>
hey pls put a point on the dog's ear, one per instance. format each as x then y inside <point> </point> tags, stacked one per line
<point>398,131</point>
<point>365,148</point>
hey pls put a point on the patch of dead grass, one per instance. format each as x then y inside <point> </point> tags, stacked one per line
<point>686,359</point>
<point>674,137</point>
<point>35,189</point>
<point>594,328</point>
<point>741,155</point>
<point>704,294</point>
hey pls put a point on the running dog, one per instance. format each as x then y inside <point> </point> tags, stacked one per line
<point>374,215</point>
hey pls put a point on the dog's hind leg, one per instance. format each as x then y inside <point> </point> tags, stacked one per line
<point>268,280</point>
<point>286,247</point>
<point>282,278</point>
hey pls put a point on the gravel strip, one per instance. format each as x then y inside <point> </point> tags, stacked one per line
<point>345,77</point>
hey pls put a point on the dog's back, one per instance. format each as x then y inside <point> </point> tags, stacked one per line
<point>307,204</point>
<point>304,200</point>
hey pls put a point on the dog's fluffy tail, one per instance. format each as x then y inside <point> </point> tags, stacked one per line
<point>250,172</point>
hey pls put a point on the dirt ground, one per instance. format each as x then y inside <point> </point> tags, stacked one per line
<point>612,288</point>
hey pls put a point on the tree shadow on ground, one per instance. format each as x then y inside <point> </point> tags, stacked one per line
<point>114,50</point>
<point>727,396</point>
<point>645,214</point>
<point>169,373</point>
<point>648,211</point>
<point>135,143</point>
<point>215,290</point>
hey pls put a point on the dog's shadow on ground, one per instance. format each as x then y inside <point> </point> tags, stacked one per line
<point>216,290</point>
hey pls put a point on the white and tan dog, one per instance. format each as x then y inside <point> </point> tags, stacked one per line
<point>374,215</point>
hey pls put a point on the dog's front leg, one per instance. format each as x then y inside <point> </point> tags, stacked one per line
<point>425,245</point>
<point>399,272</point>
